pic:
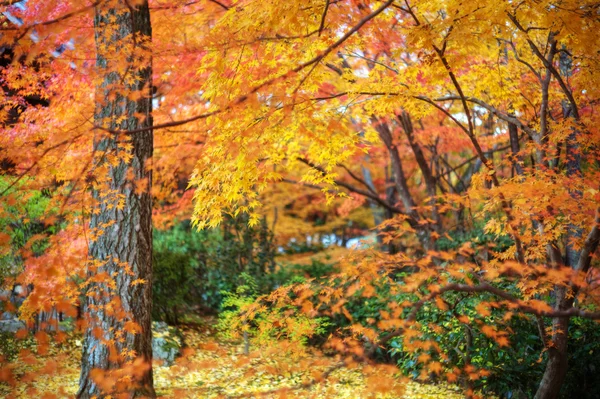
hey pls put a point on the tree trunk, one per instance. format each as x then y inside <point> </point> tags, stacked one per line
<point>554,375</point>
<point>117,350</point>
<point>430,183</point>
<point>556,367</point>
<point>401,182</point>
<point>517,161</point>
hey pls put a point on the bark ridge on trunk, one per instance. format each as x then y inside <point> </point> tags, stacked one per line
<point>117,349</point>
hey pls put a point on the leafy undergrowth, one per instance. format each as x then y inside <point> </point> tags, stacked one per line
<point>325,255</point>
<point>216,369</point>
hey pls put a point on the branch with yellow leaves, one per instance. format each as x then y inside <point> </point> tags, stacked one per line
<point>241,99</point>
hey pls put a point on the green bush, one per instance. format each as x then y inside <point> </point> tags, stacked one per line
<point>299,273</point>
<point>265,325</point>
<point>21,221</point>
<point>456,239</point>
<point>194,268</point>
<point>584,360</point>
<point>316,269</point>
<point>171,290</point>
<point>514,370</point>
<point>295,247</point>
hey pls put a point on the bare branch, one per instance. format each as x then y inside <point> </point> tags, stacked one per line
<point>499,114</point>
<point>223,6</point>
<point>323,16</point>
<point>358,179</point>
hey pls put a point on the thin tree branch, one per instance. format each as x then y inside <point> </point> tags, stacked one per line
<point>323,16</point>
<point>358,179</point>
<point>548,65</point>
<point>501,115</point>
<point>485,287</point>
<point>353,189</point>
<point>269,82</point>
<point>223,6</point>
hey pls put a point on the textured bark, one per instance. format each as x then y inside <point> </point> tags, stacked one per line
<point>122,209</point>
<point>556,367</point>
<point>399,177</point>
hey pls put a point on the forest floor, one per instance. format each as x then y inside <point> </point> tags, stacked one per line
<point>213,368</point>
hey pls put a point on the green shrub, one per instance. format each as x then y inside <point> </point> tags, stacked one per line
<point>514,370</point>
<point>264,325</point>
<point>456,239</point>
<point>194,268</point>
<point>295,247</point>
<point>21,221</point>
<point>584,360</point>
<point>299,273</point>
<point>171,289</point>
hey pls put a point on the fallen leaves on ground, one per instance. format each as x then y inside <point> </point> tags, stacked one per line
<point>214,369</point>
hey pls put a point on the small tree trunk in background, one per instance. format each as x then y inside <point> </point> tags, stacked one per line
<point>430,183</point>
<point>401,183</point>
<point>246,343</point>
<point>119,300</point>
<point>576,258</point>
<point>556,367</point>
<point>513,134</point>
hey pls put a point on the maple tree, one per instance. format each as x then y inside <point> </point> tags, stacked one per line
<point>438,116</point>
<point>434,67</point>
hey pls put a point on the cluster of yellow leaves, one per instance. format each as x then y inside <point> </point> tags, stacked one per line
<point>214,369</point>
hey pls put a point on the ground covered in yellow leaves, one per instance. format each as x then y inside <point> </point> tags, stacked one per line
<point>211,368</point>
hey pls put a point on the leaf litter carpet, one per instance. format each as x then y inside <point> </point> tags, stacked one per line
<point>210,368</point>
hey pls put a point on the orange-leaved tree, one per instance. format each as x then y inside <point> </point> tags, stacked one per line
<point>405,104</point>
<point>337,77</point>
<point>87,165</point>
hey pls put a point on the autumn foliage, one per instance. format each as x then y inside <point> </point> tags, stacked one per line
<point>463,134</point>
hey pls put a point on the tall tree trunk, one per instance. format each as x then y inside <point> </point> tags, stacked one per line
<point>117,350</point>
<point>517,160</point>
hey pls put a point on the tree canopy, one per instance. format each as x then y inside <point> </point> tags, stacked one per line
<point>465,134</point>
